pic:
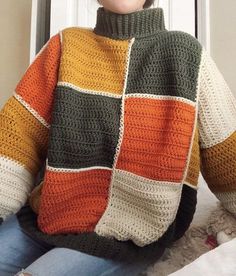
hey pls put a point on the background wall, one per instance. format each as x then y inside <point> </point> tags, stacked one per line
<point>223,38</point>
<point>15,18</point>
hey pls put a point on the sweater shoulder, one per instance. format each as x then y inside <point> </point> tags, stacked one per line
<point>182,34</point>
<point>182,37</point>
<point>75,32</point>
<point>75,29</point>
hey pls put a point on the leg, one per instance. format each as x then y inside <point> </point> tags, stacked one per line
<point>18,250</point>
<point>63,261</point>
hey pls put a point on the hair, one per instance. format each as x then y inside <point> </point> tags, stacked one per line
<point>146,5</point>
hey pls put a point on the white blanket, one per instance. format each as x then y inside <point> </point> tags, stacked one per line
<point>220,261</point>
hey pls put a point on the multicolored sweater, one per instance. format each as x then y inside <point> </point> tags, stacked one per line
<point>124,116</point>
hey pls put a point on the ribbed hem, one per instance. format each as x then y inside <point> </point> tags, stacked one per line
<point>93,244</point>
<point>123,26</point>
<point>186,211</point>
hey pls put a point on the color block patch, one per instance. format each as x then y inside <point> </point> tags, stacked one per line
<point>218,165</point>
<point>16,183</point>
<point>156,138</point>
<point>22,137</point>
<point>84,129</point>
<point>73,202</point>
<point>39,81</point>
<point>194,164</point>
<point>100,66</point>
<point>165,64</point>
<point>217,104</point>
<point>139,209</point>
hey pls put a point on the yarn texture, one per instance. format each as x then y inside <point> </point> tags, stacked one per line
<point>125,116</point>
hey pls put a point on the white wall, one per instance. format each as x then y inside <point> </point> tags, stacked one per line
<point>15,19</point>
<point>182,15</point>
<point>223,38</point>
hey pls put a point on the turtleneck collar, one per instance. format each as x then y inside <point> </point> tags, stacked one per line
<point>124,26</point>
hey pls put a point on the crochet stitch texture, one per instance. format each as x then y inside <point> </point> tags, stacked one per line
<point>125,116</point>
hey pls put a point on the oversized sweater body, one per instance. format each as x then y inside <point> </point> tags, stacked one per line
<point>125,116</point>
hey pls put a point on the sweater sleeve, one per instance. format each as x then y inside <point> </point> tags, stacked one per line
<point>24,128</point>
<point>217,132</point>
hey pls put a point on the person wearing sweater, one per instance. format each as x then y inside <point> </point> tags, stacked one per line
<point>123,117</point>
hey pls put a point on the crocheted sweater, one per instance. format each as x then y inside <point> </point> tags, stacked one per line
<point>124,116</point>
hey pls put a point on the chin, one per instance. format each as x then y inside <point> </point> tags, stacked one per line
<point>122,9</point>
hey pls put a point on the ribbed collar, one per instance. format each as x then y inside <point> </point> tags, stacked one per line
<point>124,26</point>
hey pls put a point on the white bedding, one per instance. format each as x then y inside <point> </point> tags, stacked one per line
<point>220,261</point>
